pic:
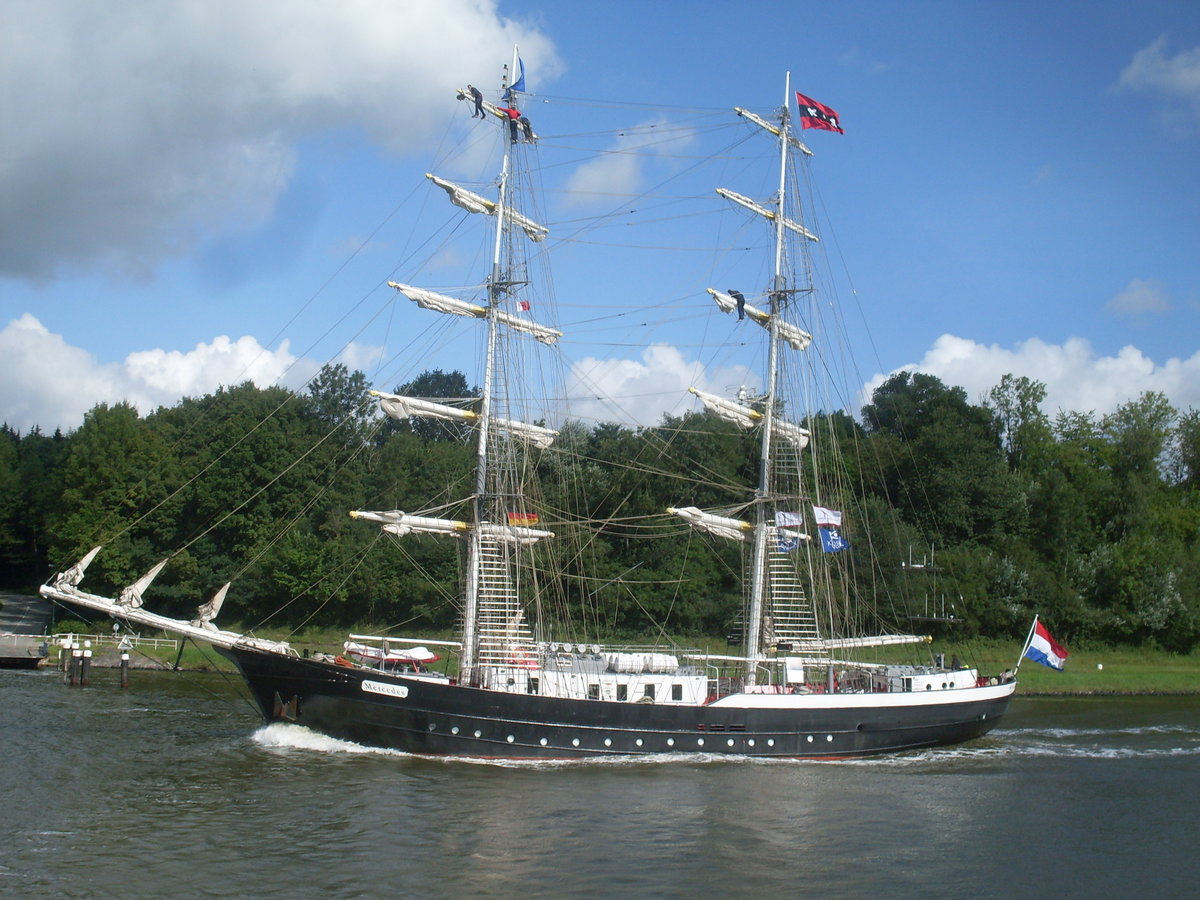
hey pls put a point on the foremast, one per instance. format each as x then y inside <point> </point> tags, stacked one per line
<point>479,505</point>
<point>493,625</point>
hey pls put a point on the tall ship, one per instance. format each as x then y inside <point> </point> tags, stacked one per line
<point>804,676</point>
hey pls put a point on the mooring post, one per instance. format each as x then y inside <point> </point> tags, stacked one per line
<point>87,663</point>
<point>76,658</point>
<point>124,670</point>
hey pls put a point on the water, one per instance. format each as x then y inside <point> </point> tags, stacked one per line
<point>174,788</point>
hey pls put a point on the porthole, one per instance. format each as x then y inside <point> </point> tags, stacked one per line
<point>575,742</point>
<point>829,737</point>
<point>511,739</point>
<point>810,739</point>
<point>729,742</point>
<point>454,730</point>
<point>699,742</point>
<point>670,742</point>
<point>543,742</point>
<point>478,734</point>
<point>750,742</point>
<point>608,742</point>
<point>431,727</point>
<point>770,742</point>
<point>638,742</point>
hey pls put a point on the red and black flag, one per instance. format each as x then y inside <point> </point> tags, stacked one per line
<point>817,115</point>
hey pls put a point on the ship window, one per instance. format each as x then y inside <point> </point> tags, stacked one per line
<point>650,691</point>
<point>593,692</point>
<point>532,686</point>
<point>622,692</point>
<point>677,692</point>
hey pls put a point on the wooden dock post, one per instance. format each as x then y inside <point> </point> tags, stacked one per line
<point>87,663</point>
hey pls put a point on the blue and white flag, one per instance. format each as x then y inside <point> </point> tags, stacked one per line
<point>829,525</point>
<point>519,84</point>
<point>788,540</point>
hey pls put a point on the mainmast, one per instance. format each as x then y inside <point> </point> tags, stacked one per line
<point>764,509</point>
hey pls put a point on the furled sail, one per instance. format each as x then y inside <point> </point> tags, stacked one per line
<point>401,523</point>
<point>400,407</point>
<point>795,337</point>
<point>728,410</point>
<point>721,526</point>
<point>792,432</point>
<point>132,595</point>
<point>746,417</point>
<point>453,306</point>
<point>513,534</point>
<point>537,435</point>
<point>472,202</point>
<point>540,332</point>
<point>206,612</point>
<point>439,302</point>
<point>847,643</point>
<point>766,213</point>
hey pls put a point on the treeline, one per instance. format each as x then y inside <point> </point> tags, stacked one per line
<point>1091,521</point>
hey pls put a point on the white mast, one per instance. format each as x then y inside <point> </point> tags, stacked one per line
<point>758,574</point>
<point>479,502</point>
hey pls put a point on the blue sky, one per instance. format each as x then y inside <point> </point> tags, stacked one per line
<point>1018,188</point>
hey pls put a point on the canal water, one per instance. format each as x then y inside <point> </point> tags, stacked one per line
<point>174,787</point>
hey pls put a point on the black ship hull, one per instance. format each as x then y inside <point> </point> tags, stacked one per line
<point>441,718</point>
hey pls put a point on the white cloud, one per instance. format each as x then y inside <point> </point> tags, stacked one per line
<point>1177,76</point>
<point>1076,378</point>
<point>620,171</point>
<point>133,129</point>
<point>52,384</point>
<point>1144,295</point>
<point>640,392</point>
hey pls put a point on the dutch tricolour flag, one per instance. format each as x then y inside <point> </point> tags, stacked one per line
<point>1044,649</point>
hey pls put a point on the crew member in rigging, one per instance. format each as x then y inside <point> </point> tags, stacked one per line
<point>740,301</point>
<point>477,96</point>
<point>513,115</point>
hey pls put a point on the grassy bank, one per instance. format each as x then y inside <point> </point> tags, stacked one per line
<point>1088,671</point>
<point>1095,671</point>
